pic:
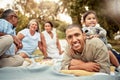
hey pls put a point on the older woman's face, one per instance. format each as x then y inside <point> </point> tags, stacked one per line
<point>48,27</point>
<point>33,26</point>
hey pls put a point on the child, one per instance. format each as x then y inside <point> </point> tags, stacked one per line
<point>93,29</point>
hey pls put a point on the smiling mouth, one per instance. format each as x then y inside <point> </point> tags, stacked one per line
<point>76,44</point>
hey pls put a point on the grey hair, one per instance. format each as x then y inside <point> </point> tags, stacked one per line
<point>34,20</point>
<point>6,13</point>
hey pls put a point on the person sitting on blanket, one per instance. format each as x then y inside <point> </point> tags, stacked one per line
<point>53,47</point>
<point>84,54</point>
<point>31,39</point>
<point>8,40</point>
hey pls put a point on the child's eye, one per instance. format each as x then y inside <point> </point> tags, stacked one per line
<point>89,18</point>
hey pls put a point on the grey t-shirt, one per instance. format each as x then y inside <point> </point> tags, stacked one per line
<point>94,51</point>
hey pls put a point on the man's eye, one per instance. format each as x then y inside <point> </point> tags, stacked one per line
<point>94,18</point>
<point>77,35</point>
<point>69,37</point>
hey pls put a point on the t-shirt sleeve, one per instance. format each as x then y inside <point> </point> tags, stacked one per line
<point>5,27</point>
<point>24,32</point>
<point>66,59</point>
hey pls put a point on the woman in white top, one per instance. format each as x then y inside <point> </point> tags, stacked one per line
<point>30,38</point>
<point>53,47</point>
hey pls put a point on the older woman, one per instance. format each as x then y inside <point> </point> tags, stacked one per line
<point>31,39</point>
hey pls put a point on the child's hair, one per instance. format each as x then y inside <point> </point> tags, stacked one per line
<point>87,13</point>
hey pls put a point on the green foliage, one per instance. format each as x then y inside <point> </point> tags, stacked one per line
<point>1,10</point>
<point>22,22</point>
<point>107,12</point>
<point>60,34</point>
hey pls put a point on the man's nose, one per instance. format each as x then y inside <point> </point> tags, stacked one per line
<point>74,39</point>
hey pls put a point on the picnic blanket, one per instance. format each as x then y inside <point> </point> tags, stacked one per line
<point>37,71</point>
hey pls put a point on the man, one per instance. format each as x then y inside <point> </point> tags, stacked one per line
<point>85,54</point>
<point>8,40</point>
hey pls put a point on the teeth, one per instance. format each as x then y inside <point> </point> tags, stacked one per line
<point>76,44</point>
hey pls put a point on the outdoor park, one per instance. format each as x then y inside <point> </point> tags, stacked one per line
<point>64,12</point>
<point>61,13</point>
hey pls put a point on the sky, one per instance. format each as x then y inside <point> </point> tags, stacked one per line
<point>3,3</point>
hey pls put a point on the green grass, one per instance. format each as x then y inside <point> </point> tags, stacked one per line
<point>115,44</point>
<point>37,52</point>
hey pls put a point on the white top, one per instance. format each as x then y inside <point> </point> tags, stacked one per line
<point>52,50</point>
<point>30,43</point>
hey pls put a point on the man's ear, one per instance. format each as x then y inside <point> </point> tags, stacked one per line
<point>66,39</point>
<point>84,35</point>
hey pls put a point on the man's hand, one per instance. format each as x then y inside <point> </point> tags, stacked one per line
<point>17,42</point>
<point>80,65</point>
<point>91,66</point>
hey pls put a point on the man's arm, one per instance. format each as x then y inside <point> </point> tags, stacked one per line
<point>80,65</point>
<point>2,34</point>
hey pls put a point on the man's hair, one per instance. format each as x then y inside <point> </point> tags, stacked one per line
<point>74,25</point>
<point>6,13</point>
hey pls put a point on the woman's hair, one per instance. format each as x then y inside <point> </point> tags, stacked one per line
<point>34,20</point>
<point>49,23</point>
<point>87,13</point>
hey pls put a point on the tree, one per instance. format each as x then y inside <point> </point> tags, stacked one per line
<point>107,11</point>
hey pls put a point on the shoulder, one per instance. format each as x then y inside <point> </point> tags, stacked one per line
<point>24,31</point>
<point>96,44</point>
<point>5,22</point>
<point>43,32</point>
<point>38,33</point>
<point>94,41</point>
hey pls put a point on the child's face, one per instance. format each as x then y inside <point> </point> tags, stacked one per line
<point>90,20</point>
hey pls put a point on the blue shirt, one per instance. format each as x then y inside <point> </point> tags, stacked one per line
<point>7,28</point>
<point>30,43</point>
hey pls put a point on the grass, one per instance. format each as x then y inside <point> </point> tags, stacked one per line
<point>115,44</point>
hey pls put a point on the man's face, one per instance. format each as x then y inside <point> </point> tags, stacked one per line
<point>15,20</point>
<point>75,38</point>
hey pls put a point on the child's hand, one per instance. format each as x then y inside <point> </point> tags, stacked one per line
<point>93,36</point>
<point>96,36</point>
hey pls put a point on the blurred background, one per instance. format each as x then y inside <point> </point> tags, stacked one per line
<point>64,12</point>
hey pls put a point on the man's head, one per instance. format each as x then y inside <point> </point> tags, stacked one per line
<point>10,16</point>
<point>75,37</point>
